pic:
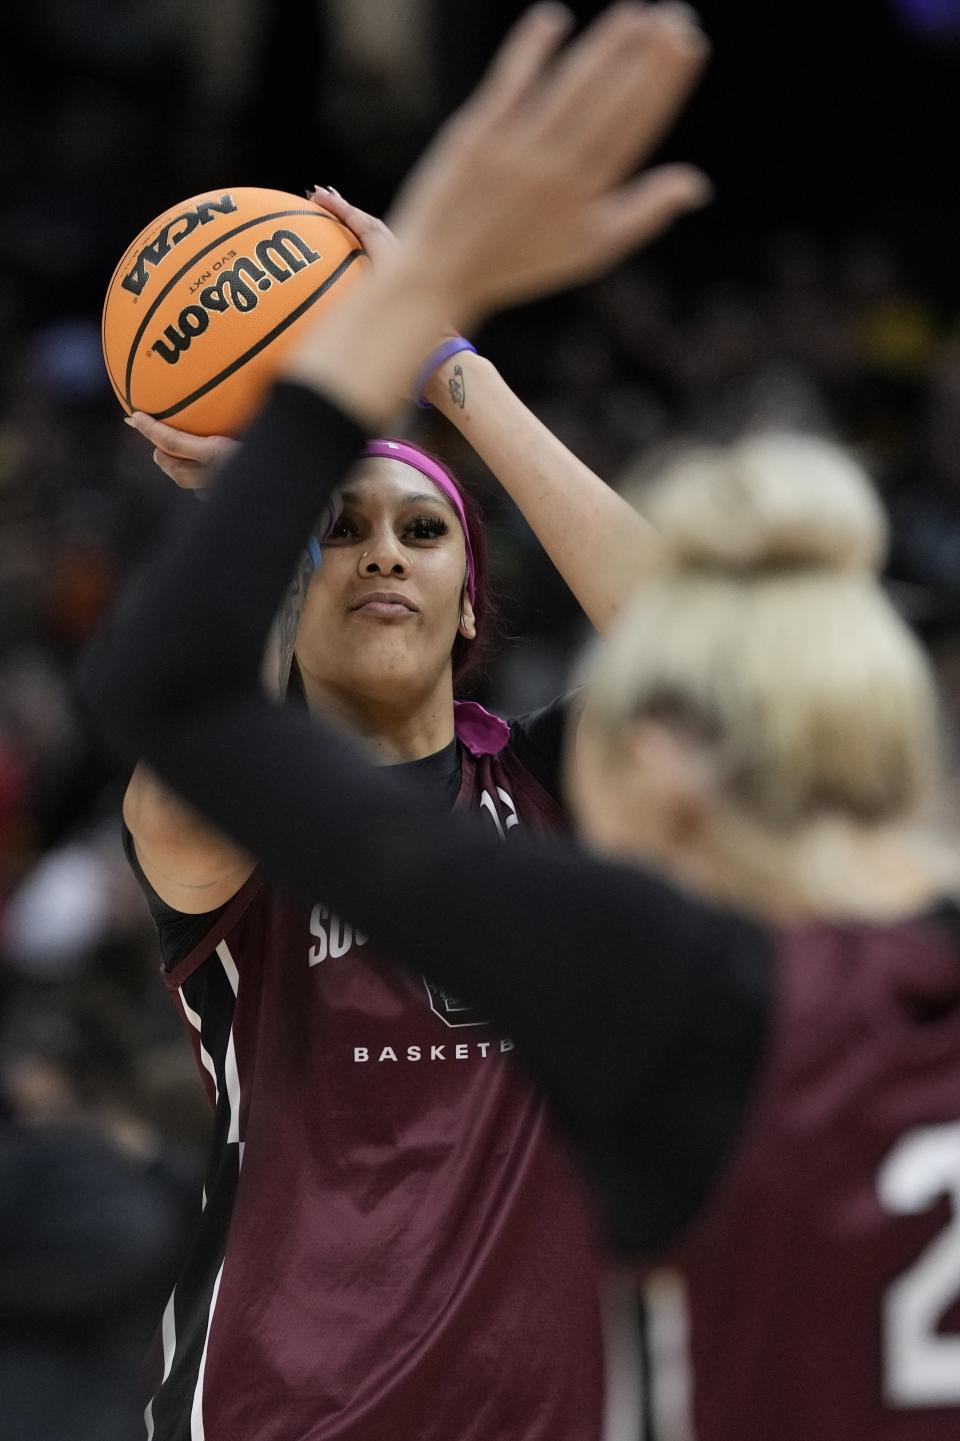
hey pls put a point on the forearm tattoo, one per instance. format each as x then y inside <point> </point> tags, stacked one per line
<point>288,618</point>
<point>457,387</point>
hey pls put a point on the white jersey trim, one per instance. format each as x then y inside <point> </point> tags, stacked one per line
<point>168,1333</point>
<point>197,1430</point>
<point>229,965</point>
<point>205,1056</point>
<point>230,1072</point>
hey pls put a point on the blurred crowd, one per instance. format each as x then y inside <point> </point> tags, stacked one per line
<point>832,332</point>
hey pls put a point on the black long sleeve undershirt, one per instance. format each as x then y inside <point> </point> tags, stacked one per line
<point>644,1013</point>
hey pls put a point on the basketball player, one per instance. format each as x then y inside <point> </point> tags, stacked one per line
<point>748,1014</point>
<point>413,1256</point>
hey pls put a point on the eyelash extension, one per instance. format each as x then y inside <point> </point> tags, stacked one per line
<point>423,527</point>
<point>428,527</point>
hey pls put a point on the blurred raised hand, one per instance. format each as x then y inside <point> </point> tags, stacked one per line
<point>530,186</point>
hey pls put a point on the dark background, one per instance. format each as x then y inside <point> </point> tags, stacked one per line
<point>834,117</point>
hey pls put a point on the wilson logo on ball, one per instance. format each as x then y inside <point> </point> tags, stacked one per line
<point>169,236</point>
<point>248,271</point>
<point>275,260</point>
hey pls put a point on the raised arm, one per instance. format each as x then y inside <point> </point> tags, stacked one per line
<point>600,545</point>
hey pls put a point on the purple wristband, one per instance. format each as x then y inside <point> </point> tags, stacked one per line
<point>433,362</point>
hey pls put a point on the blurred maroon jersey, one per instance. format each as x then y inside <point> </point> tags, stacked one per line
<point>394,1245</point>
<point>834,1237</point>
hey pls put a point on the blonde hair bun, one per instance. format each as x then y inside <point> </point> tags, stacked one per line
<point>771,502</point>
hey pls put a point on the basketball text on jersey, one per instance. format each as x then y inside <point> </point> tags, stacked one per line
<point>169,236</point>
<point>459,1051</point>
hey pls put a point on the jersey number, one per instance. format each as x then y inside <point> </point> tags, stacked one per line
<point>922,1367</point>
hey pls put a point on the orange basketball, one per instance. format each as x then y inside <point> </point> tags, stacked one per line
<point>209,296</point>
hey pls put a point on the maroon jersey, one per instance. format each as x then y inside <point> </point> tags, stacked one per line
<point>393,1243</point>
<point>819,1299</point>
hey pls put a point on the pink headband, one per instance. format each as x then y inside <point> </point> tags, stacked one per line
<point>433,470</point>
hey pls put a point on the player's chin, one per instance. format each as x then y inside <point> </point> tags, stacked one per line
<point>393,653</point>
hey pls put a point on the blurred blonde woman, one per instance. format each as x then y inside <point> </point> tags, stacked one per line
<point>744,998</point>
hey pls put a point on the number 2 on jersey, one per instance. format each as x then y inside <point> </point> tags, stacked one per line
<point>921,1366</point>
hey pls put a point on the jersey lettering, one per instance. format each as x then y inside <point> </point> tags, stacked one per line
<point>922,1366</point>
<point>512,819</point>
<point>462,1051</point>
<point>334,936</point>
